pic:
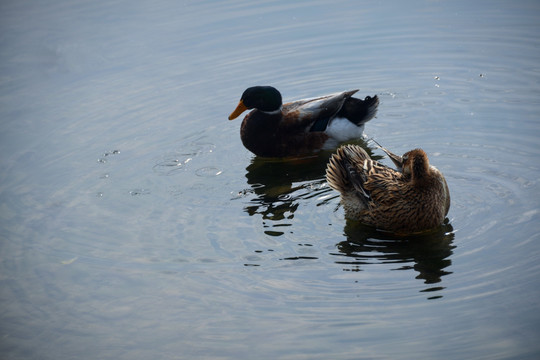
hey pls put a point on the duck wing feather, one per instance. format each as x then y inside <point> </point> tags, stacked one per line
<point>313,114</point>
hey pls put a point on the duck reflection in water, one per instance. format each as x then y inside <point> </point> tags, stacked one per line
<point>427,253</point>
<point>281,184</point>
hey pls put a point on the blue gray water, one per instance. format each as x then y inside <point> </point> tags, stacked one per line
<point>134,225</point>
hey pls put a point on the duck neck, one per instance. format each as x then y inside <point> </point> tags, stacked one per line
<point>258,132</point>
<point>273,112</point>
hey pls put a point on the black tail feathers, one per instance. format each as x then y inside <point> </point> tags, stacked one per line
<point>360,111</point>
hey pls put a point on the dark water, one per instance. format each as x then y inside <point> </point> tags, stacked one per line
<point>134,225</point>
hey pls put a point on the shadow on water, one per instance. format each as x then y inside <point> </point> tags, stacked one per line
<point>280,184</point>
<point>279,187</point>
<point>428,254</point>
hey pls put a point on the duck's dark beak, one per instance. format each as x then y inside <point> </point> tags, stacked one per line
<point>396,159</point>
<point>239,109</point>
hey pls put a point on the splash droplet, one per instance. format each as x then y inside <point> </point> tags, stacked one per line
<point>138,192</point>
<point>209,171</point>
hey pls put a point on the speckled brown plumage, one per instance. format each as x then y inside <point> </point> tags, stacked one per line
<point>411,200</point>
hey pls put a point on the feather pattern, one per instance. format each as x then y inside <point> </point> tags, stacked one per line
<point>413,199</point>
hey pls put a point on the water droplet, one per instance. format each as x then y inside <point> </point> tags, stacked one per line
<point>170,166</point>
<point>208,171</point>
<point>241,194</point>
<point>200,147</point>
<point>138,192</point>
<point>285,197</point>
<point>114,152</point>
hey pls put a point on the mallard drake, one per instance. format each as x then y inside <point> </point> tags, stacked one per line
<point>274,129</point>
<point>411,199</point>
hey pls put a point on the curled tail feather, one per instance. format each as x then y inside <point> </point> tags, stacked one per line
<point>344,172</point>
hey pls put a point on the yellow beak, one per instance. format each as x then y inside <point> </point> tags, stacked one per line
<point>239,109</point>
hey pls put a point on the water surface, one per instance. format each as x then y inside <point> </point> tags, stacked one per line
<point>134,225</point>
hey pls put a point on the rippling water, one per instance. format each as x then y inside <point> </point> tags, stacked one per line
<point>134,225</point>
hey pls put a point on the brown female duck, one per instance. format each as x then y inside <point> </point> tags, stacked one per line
<point>411,199</point>
<point>301,127</point>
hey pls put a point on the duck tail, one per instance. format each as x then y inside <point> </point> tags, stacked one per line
<point>360,111</point>
<point>344,171</point>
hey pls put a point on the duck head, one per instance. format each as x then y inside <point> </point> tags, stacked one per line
<point>263,98</point>
<point>416,164</point>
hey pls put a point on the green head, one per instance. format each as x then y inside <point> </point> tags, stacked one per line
<point>263,98</point>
